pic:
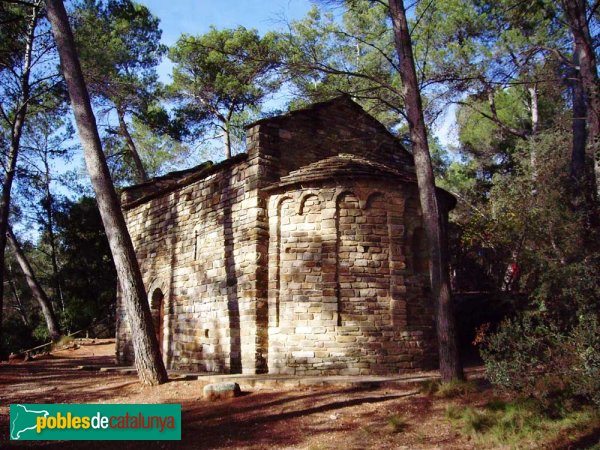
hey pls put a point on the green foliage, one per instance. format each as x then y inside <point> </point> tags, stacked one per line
<point>40,333</point>
<point>86,265</point>
<point>534,221</point>
<point>221,74</point>
<point>453,412</point>
<point>584,343</point>
<point>483,138</point>
<point>467,47</point>
<point>534,356</point>
<point>85,268</point>
<point>12,32</point>
<point>354,54</point>
<point>475,421</point>
<point>521,215</point>
<point>568,292</point>
<point>46,141</point>
<point>119,48</point>
<point>230,67</point>
<point>39,87</point>
<point>515,208</point>
<point>160,153</point>
<point>520,352</point>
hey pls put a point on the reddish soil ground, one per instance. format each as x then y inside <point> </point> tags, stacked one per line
<point>319,418</point>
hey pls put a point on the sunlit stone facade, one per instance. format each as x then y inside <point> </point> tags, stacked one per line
<point>305,256</point>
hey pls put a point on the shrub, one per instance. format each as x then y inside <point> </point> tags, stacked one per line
<point>568,292</point>
<point>533,355</point>
<point>584,344</point>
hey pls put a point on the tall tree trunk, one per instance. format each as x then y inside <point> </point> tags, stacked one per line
<point>141,175</point>
<point>48,205</point>
<point>227,140</point>
<point>148,360</point>
<point>577,17</point>
<point>579,136</point>
<point>19,304</point>
<point>227,132</point>
<point>534,108</point>
<point>535,120</point>
<point>36,288</point>
<point>15,142</point>
<point>450,365</point>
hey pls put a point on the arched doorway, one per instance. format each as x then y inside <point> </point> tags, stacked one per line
<point>158,315</point>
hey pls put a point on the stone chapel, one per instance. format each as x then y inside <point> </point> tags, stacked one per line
<point>306,255</point>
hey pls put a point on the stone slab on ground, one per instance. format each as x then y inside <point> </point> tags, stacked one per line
<point>249,382</point>
<point>276,381</point>
<point>119,369</point>
<point>219,391</point>
<point>273,381</point>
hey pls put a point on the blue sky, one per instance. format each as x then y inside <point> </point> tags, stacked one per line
<point>196,17</point>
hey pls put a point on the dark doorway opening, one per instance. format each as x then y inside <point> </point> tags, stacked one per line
<point>158,316</point>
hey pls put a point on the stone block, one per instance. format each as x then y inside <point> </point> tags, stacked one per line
<point>303,354</point>
<point>220,391</point>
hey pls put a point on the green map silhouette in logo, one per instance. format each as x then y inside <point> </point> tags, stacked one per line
<point>24,419</point>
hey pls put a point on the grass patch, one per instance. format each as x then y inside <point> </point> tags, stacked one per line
<point>454,412</point>
<point>455,389</point>
<point>447,390</point>
<point>397,423</point>
<point>517,424</point>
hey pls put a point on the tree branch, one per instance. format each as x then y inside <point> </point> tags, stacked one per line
<point>514,131</point>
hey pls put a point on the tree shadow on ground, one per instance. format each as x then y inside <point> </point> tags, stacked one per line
<point>588,440</point>
<point>255,425</point>
<point>257,420</point>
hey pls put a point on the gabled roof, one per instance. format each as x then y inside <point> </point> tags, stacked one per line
<point>310,110</point>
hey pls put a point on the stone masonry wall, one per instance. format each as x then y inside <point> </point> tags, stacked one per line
<point>342,293</point>
<point>198,245</point>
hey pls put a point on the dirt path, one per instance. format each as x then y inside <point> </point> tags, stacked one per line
<point>326,418</point>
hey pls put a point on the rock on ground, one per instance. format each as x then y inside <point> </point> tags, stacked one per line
<point>217,391</point>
